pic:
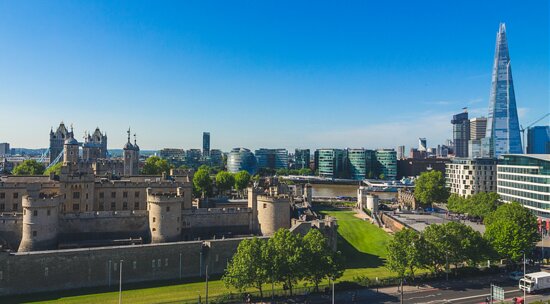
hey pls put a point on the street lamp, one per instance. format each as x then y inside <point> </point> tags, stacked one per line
<point>120,284</point>
<point>524,292</point>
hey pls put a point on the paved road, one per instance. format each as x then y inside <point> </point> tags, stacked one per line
<point>457,292</point>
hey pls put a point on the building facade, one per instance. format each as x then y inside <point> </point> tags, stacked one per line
<point>331,163</point>
<point>470,176</point>
<point>401,152</point>
<point>357,159</point>
<point>95,146</point>
<point>502,135</point>
<point>538,140</point>
<point>206,144</point>
<point>525,178</point>
<point>422,144</point>
<point>301,158</point>
<point>272,158</point>
<point>478,127</point>
<point>5,149</point>
<point>387,163</point>
<point>461,133</point>
<point>241,159</point>
<point>413,167</point>
<point>57,139</point>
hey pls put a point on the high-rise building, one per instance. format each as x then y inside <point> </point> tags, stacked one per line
<point>331,163</point>
<point>478,127</point>
<point>357,160</point>
<point>461,133</point>
<point>538,140</point>
<point>502,135</point>
<point>525,179</point>
<point>216,158</point>
<point>4,149</point>
<point>301,158</point>
<point>387,162</point>
<point>240,159</point>
<point>272,158</point>
<point>422,145</point>
<point>205,143</point>
<point>470,176</point>
<point>400,152</point>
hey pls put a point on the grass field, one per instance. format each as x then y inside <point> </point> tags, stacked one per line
<point>362,243</point>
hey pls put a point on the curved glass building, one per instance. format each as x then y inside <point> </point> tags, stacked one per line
<point>241,159</point>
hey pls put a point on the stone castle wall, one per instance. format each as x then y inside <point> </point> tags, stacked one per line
<point>11,229</point>
<point>207,222</point>
<point>41,271</point>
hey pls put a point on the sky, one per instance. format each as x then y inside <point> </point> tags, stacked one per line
<point>272,74</point>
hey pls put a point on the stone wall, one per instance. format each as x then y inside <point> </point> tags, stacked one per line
<point>92,267</point>
<point>11,227</point>
<point>205,223</point>
<point>391,222</point>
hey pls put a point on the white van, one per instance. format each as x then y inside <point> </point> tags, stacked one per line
<point>535,281</point>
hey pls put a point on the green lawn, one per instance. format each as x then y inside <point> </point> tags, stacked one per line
<point>362,243</point>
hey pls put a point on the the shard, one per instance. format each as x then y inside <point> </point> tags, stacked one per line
<point>503,135</point>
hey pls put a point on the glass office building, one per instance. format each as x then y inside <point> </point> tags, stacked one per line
<point>301,158</point>
<point>241,159</point>
<point>461,133</point>
<point>387,162</point>
<point>357,159</point>
<point>525,178</point>
<point>331,163</point>
<point>272,158</point>
<point>538,140</point>
<point>502,135</point>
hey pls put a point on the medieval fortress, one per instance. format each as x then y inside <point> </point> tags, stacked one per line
<point>73,229</point>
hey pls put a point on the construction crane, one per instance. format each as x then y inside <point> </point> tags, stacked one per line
<point>522,130</point>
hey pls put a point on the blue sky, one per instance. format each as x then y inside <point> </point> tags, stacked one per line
<point>292,74</point>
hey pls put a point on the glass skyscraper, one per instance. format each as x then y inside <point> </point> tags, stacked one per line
<point>461,133</point>
<point>502,135</point>
<point>538,140</point>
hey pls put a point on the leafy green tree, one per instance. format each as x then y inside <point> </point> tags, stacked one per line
<point>382,176</point>
<point>55,169</point>
<point>29,167</point>
<point>202,182</point>
<point>248,267</point>
<point>305,171</point>
<point>320,261</point>
<point>430,188</point>
<point>512,230</point>
<point>155,165</point>
<point>242,178</point>
<point>224,181</point>
<point>405,252</point>
<point>287,258</point>
<point>480,204</point>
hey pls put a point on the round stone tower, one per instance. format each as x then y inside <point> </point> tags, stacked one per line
<point>40,222</point>
<point>70,151</point>
<point>165,215</point>
<point>273,213</point>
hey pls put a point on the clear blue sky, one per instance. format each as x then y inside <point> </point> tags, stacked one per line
<point>296,74</point>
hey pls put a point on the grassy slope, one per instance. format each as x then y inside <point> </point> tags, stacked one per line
<point>363,245</point>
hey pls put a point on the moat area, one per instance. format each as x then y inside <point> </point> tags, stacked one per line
<point>326,190</point>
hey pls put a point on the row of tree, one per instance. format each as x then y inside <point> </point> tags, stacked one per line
<point>204,181</point>
<point>477,205</point>
<point>32,167</point>
<point>285,258</point>
<point>511,231</point>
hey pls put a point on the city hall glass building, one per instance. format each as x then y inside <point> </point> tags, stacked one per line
<point>525,178</point>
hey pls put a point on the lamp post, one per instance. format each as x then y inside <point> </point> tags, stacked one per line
<point>524,292</point>
<point>332,290</point>
<point>120,284</point>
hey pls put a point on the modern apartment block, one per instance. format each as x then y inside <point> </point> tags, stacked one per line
<point>332,163</point>
<point>478,127</point>
<point>525,178</point>
<point>272,158</point>
<point>461,133</point>
<point>205,144</point>
<point>357,159</point>
<point>387,162</point>
<point>470,176</point>
<point>400,152</point>
<point>4,149</point>
<point>301,158</point>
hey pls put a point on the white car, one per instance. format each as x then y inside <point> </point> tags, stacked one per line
<point>516,275</point>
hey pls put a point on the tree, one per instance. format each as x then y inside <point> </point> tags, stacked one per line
<point>320,261</point>
<point>430,188</point>
<point>242,178</point>
<point>512,230</point>
<point>248,267</point>
<point>203,182</point>
<point>480,204</point>
<point>29,167</point>
<point>55,169</point>
<point>224,181</point>
<point>155,165</point>
<point>405,252</point>
<point>286,258</point>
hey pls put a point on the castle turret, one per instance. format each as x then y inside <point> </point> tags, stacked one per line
<point>165,215</point>
<point>70,151</point>
<point>131,157</point>
<point>273,213</point>
<point>40,220</point>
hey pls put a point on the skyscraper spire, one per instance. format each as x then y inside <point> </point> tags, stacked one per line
<point>502,135</point>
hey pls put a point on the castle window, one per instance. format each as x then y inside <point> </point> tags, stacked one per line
<point>49,212</point>
<point>2,207</point>
<point>154,229</point>
<point>35,213</point>
<point>86,207</point>
<point>15,195</point>
<point>167,208</point>
<point>76,207</point>
<point>158,263</point>
<point>113,205</point>
<point>46,271</point>
<point>34,233</point>
<point>15,207</point>
<point>101,206</point>
<point>24,211</point>
<point>76,195</point>
<point>136,194</point>
<point>2,195</point>
<point>154,219</point>
<point>101,195</point>
<point>86,195</point>
<point>136,205</point>
<point>125,194</point>
<point>124,206</point>
<point>265,206</point>
<point>113,194</point>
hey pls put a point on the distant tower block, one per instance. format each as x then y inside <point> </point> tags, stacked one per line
<point>165,215</point>
<point>273,213</point>
<point>40,221</point>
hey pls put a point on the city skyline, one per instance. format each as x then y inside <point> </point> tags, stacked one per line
<point>203,68</point>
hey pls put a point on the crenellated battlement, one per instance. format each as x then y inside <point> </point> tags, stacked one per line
<point>206,211</point>
<point>42,201</point>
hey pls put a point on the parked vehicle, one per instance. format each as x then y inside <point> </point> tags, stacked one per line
<point>535,281</point>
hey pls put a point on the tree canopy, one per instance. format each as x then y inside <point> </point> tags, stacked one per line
<point>224,181</point>
<point>242,178</point>
<point>249,266</point>
<point>55,169</point>
<point>29,167</point>
<point>430,188</point>
<point>512,230</point>
<point>480,204</point>
<point>202,182</point>
<point>155,165</point>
